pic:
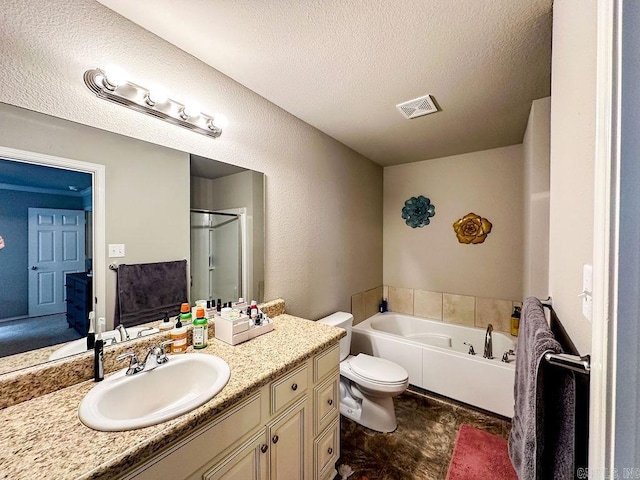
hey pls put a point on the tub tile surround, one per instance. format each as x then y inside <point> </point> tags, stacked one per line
<point>458,309</point>
<point>448,307</point>
<point>56,430</point>
<point>22,385</point>
<point>401,299</point>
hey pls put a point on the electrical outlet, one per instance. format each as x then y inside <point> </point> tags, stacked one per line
<point>116,250</point>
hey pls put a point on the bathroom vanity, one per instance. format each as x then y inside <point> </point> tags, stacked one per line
<point>277,418</point>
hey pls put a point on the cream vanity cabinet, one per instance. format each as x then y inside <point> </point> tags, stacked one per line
<point>288,430</point>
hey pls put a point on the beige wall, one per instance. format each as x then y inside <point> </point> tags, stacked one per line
<point>323,200</point>
<point>488,183</point>
<point>536,200</point>
<point>144,210</point>
<point>573,87</point>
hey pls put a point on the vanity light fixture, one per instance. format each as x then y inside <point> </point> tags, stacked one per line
<point>113,86</point>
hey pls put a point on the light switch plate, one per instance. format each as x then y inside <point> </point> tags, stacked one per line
<point>116,250</point>
<point>587,291</point>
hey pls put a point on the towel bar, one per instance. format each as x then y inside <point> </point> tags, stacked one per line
<point>572,362</point>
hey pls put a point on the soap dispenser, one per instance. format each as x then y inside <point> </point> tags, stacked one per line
<point>166,324</point>
<point>179,337</point>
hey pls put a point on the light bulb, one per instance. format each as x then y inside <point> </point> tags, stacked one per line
<point>190,110</point>
<point>156,95</point>
<point>114,76</point>
<point>220,121</point>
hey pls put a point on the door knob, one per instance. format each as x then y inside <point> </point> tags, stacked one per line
<point>34,268</point>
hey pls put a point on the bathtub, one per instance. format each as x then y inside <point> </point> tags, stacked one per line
<point>434,355</point>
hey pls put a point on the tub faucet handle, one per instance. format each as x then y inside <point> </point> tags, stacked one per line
<point>505,356</point>
<point>471,350</point>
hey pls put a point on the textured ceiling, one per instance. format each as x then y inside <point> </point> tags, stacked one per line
<point>342,66</point>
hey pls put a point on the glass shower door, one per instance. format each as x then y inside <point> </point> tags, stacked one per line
<point>216,256</point>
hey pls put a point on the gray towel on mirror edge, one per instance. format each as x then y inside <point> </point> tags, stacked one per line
<point>145,291</point>
<point>541,442</point>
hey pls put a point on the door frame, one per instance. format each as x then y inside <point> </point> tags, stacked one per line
<point>99,211</point>
<point>605,243</point>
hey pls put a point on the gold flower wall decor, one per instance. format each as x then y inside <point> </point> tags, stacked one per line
<point>472,228</point>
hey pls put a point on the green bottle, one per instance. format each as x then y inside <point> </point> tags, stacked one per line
<point>200,329</point>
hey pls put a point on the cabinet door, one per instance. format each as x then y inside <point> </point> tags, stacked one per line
<point>250,462</point>
<point>287,444</point>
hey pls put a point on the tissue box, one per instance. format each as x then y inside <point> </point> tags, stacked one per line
<point>238,330</point>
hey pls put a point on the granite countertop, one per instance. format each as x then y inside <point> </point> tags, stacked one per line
<point>44,438</point>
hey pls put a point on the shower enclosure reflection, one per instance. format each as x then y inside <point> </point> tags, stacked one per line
<point>218,266</point>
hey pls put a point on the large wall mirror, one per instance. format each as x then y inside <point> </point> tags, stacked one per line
<point>48,212</point>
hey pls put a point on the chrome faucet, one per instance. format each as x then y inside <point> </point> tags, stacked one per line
<point>488,343</point>
<point>124,335</point>
<point>156,356</point>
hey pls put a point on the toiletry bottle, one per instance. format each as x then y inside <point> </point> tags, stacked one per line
<point>200,330</point>
<point>165,324</point>
<point>254,309</point>
<point>210,311</point>
<point>98,352</point>
<point>185,313</point>
<point>515,321</point>
<point>383,306</point>
<point>179,337</point>
<point>219,305</point>
<point>91,334</point>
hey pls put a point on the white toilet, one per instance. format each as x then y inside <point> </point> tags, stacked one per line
<point>367,384</point>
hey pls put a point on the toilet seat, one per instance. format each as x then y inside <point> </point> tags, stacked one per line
<point>377,370</point>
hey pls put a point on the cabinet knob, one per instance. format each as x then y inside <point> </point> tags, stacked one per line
<point>264,448</point>
<point>34,268</point>
<point>275,439</point>
<point>330,451</point>
<point>330,401</point>
<point>294,387</point>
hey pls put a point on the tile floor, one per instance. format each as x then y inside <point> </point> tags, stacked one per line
<point>422,445</point>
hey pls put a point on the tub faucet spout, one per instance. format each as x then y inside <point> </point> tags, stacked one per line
<point>488,343</point>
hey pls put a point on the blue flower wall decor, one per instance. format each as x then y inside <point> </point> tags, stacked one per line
<point>417,210</point>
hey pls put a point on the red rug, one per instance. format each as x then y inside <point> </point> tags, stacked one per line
<point>480,455</point>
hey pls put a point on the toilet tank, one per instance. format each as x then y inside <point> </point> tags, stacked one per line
<point>341,320</point>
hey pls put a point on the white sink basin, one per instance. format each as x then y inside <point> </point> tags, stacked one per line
<point>126,402</point>
<point>80,345</point>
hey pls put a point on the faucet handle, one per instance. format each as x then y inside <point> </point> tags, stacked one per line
<point>132,355</point>
<point>166,343</point>
<point>134,366</point>
<point>505,356</point>
<point>471,350</point>
<point>162,357</point>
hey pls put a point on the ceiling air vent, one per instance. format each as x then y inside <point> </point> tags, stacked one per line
<point>417,107</point>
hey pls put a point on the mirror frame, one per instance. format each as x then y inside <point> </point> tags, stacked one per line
<point>99,264</point>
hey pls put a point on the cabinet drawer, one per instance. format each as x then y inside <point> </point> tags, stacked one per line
<point>288,389</point>
<point>326,403</point>
<point>326,450</point>
<point>326,362</point>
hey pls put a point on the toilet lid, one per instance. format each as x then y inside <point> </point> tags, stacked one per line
<point>378,369</point>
